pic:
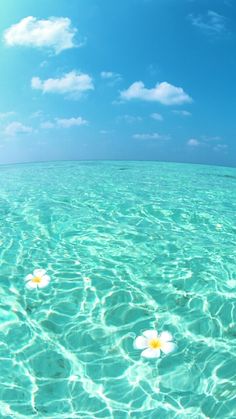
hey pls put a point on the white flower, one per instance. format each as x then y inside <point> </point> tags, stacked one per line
<point>38,279</point>
<point>153,344</point>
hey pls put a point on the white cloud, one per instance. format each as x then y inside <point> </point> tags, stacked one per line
<point>193,142</point>
<point>64,123</point>
<point>129,119</point>
<point>15,128</point>
<point>211,139</point>
<point>4,115</point>
<point>55,33</point>
<point>108,74</point>
<point>148,136</point>
<point>221,148</point>
<point>111,76</point>
<point>182,112</point>
<point>156,116</point>
<point>164,92</point>
<point>208,142</point>
<point>73,83</point>
<point>37,114</point>
<point>71,122</point>
<point>47,125</point>
<point>212,23</point>
<point>43,64</point>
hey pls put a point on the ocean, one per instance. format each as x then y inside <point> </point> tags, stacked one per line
<point>125,247</point>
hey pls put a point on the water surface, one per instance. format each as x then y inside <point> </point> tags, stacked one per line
<point>129,246</point>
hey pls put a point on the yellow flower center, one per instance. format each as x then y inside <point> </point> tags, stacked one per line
<point>154,343</point>
<point>37,279</point>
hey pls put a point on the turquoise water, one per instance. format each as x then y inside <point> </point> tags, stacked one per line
<point>129,246</point>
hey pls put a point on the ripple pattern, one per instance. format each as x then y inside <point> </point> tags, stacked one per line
<point>129,246</point>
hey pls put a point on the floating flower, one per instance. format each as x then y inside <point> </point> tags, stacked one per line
<point>38,279</point>
<point>153,344</point>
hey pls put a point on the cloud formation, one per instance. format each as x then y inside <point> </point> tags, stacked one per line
<point>73,83</point>
<point>129,119</point>
<point>221,148</point>
<point>182,112</point>
<point>4,115</point>
<point>15,128</point>
<point>164,92</point>
<point>47,125</point>
<point>208,142</point>
<point>212,23</point>
<point>148,136</point>
<point>193,142</point>
<point>111,77</point>
<point>55,33</point>
<point>71,122</point>
<point>156,116</point>
<point>64,123</point>
<point>104,132</point>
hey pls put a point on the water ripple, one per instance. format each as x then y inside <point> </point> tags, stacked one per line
<point>129,247</point>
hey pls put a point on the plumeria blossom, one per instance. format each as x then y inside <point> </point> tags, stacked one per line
<point>38,279</point>
<point>152,343</point>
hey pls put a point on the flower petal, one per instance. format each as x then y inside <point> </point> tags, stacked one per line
<point>31,285</point>
<point>29,277</point>
<point>168,347</point>
<point>140,342</point>
<point>46,278</point>
<point>151,353</point>
<point>150,334</point>
<point>43,283</point>
<point>39,272</point>
<point>166,336</point>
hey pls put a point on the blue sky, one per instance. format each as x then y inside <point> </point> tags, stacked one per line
<point>127,79</point>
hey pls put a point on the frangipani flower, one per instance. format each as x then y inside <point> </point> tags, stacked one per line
<point>38,279</point>
<point>153,344</point>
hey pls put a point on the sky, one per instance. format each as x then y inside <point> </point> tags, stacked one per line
<point>118,80</point>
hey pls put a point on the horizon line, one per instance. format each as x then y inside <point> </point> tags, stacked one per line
<point>113,160</point>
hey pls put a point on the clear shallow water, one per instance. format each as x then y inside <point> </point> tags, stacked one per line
<point>157,241</point>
